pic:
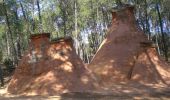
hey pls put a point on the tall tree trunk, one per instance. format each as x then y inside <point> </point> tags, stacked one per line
<point>18,41</point>
<point>33,21</point>
<point>23,11</point>
<point>7,44</point>
<point>147,21</point>
<point>94,30</point>
<point>157,39</point>
<point>64,17</point>
<point>40,18</point>
<point>27,22</point>
<point>162,33</point>
<point>10,34</point>
<point>76,25</point>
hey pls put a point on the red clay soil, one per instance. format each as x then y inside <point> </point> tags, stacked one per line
<point>149,68</point>
<point>50,68</point>
<point>126,55</point>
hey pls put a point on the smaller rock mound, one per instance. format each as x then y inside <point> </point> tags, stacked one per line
<point>50,68</point>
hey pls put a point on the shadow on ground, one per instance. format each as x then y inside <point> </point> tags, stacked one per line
<point>96,96</point>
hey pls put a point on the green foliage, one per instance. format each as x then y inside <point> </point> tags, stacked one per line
<point>58,17</point>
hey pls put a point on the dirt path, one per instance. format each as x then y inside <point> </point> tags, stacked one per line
<point>90,97</point>
<point>119,92</point>
<point>95,96</point>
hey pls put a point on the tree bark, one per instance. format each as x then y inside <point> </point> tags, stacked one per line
<point>162,33</point>
<point>63,9</point>
<point>10,34</point>
<point>76,25</point>
<point>40,18</point>
<point>147,21</point>
<point>18,41</point>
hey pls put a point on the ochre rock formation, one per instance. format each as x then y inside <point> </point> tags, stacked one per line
<point>126,55</point>
<point>50,68</point>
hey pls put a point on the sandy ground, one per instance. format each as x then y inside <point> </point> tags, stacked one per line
<point>120,92</point>
<point>127,94</point>
<point>78,96</point>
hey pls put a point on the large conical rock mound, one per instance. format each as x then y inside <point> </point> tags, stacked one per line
<point>50,68</point>
<point>126,54</point>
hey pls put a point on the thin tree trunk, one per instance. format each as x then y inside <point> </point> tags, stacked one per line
<point>63,9</point>
<point>157,40</point>
<point>33,22</point>
<point>18,46</point>
<point>39,15</point>
<point>10,34</point>
<point>76,25</point>
<point>157,44</point>
<point>27,23</point>
<point>8,44</point>
<point>23,11</point>
<point>162,33</point>
<point>147,21</point>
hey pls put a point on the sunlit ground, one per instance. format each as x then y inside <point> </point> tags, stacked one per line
<point>157,94</point>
